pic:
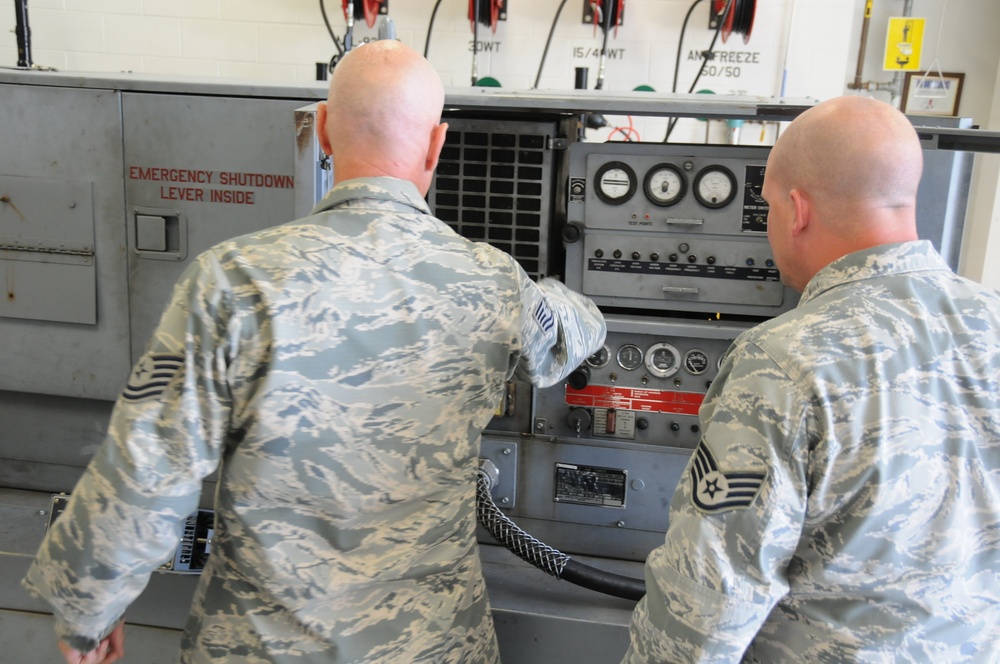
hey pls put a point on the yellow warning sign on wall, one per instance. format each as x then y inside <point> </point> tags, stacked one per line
<point>903,43</point>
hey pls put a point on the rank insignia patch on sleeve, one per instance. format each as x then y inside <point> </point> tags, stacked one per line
<point>151,375</point>
<point>543,316</point>
<point>715,490</point>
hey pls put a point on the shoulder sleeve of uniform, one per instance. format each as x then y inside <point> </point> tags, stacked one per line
<point>125,516</point>
<point>559,330</point>
<point>735,519</point>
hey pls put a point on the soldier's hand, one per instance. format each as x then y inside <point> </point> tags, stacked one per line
<point>110,649</point>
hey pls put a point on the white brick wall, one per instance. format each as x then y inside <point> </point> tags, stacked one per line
<point>809,46</point>
<point>800,48</point>
<point>285,38</point>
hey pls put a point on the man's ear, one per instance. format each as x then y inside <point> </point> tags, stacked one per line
<point>324,140</point>
<point>438,134</point>
<point>803,211</point>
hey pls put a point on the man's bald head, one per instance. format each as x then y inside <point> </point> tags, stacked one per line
<point>851,149</point>
<point>383,114</point>
<point>841,178</point>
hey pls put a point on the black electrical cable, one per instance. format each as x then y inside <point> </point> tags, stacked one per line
<point>544,557</point>
<point>329,28</point>
<point>604,44</point>
<point>430,27</point>
<point>710,53</point>
<point>475,39</point>
<point>704,61</point>
<point>680,43</point>
<point>604,582</point>
<point>548,42</point>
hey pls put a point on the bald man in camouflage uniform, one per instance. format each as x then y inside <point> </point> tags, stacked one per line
<point>844,502</point>
<point>338,370</point>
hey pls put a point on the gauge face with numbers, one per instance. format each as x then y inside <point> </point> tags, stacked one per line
<point>664,185</point>
<point>695,362</point>
<point>629,357</point>
<point>616,182</point>
<point>663,360</point>
<point>715,186</point>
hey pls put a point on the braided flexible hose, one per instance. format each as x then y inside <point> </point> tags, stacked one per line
<point>505,531</point>
<point>541,555</point>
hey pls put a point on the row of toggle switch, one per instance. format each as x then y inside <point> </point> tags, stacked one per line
<point>674,258</point>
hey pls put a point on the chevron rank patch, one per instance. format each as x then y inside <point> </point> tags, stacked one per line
<point>715,490</point>
<point>545,318</point>
<point>150,376</point>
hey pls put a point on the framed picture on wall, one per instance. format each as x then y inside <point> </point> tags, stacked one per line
<point>932,93</point>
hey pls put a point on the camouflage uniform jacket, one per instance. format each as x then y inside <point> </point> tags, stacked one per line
<point>844,502</point>
<point>338,371</point>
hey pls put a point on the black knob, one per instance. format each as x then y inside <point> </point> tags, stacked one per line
<point>674,426</point>
<point>654,256</point>
<point>578,419</point>
<point>636,255</point>
<point>673,258</point>
<point>617,253</point>
<point>710,260</point>
<point>599,253</point>
<point>572,233</point>
<point>692,258</point>
<point>580,378</point>
<point>642,424</point>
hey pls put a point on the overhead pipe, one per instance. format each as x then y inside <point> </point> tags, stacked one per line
<point>893,87</point>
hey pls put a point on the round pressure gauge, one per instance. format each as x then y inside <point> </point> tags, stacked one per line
<point>600,358</point>
<point>616,182</point>
<point>663,360</point>
<point>664,185</point>
<point>695,362</point>
<point>715,186</point>
<point>629,357</point>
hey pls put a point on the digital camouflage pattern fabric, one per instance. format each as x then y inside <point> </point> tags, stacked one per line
<point>338,370</point>
<point>872,413</point>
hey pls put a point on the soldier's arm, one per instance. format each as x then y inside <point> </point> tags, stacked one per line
<point>722,567</point>
<point>559,330</point>
<point>125,516</point>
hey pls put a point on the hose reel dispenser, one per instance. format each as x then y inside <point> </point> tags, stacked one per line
<point>739,19</point>
<point>367,9</point>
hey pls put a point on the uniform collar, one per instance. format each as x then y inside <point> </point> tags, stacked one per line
<point>874,262</point>
<point>387,189</point>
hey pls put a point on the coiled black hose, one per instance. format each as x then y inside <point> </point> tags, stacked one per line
<point>543,556</point>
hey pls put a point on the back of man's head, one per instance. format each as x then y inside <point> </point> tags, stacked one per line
<point>853,149</point>
<point>384,105</point>
<point>841,178</point>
